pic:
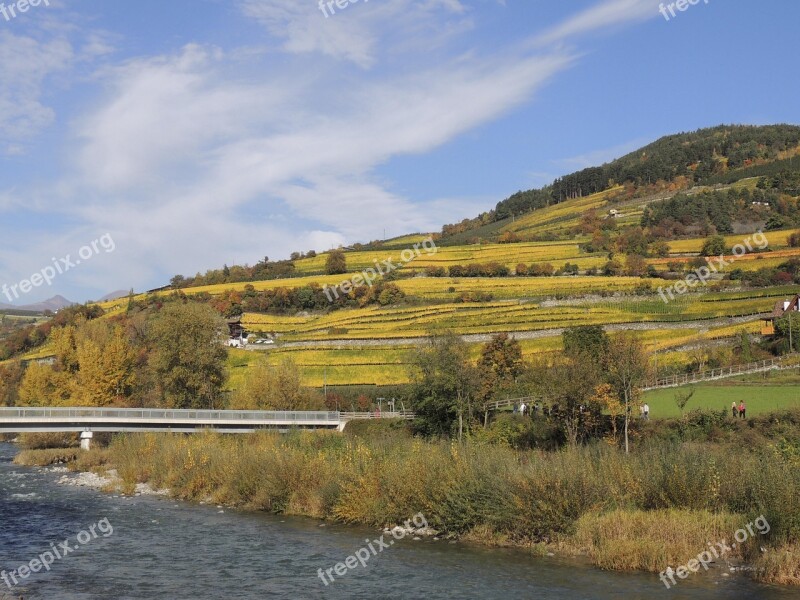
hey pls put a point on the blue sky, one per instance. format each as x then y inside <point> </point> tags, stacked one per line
<point>201,132</point>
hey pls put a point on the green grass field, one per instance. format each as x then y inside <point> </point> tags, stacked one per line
<point>764,396</point>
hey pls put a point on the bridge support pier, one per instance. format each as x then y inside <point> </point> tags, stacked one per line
<point>86,440</point>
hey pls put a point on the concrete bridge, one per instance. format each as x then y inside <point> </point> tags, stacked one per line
<point>44,420</point>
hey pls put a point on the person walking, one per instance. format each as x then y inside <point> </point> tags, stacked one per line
<point>646,411</point>
<point>742,410</point>
<point>734,410</point>
<point>522,408</point>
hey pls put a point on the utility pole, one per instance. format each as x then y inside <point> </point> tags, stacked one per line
<point>655,356</point>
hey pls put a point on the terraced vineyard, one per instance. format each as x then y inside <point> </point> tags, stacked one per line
<point>446,288</point>
<point>776,240</point>
<point>560,218</point>
<point>507,254</point>
<point>349,363</point>
<point>519,316</point>
<point>371,345</point>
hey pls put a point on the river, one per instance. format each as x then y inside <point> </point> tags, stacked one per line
<point>147,547</point>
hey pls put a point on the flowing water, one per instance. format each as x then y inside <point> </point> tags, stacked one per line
<point>160,548</point>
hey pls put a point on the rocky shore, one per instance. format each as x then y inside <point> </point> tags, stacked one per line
<point>108,482</point>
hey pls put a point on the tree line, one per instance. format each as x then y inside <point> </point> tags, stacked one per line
<point>587,393</point>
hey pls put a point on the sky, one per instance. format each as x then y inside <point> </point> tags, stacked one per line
<point>139,140</point>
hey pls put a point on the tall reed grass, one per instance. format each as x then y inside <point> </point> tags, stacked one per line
<point>660,504</point>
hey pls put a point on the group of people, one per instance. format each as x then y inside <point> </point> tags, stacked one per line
<point>524,409</point>
<point>738,411</point>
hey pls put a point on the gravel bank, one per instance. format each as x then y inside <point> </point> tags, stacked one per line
<point>108,481</point>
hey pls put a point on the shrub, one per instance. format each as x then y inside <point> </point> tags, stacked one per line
<point>39,441</point>
<point>612,268</point>
<point>336,263</point>
<point>541,270</point>
<point>675,266</point>
<point>523,433</point>
<point>714,246</point>
<point>779,566</point>
<point>435,271</point>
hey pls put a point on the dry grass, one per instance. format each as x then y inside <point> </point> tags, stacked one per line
<point>652,540</point>
<point>40,441</point>
<point>779,566</point>
<point>45,458</point>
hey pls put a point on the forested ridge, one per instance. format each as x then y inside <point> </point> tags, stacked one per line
<point>702,156</point>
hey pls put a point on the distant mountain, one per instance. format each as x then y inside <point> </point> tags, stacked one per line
<point>114,295</point>
<point>55,303</point>
<point>4,306</point>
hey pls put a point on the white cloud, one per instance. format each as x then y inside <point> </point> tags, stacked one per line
<point>356,32</point>
<point>39,58</point>
<point>181,147</point>
<point>609,13</point>
<point>25,65</point>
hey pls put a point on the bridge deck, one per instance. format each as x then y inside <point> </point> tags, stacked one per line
<point>41,419</point>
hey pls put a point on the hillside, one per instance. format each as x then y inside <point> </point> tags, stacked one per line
<point>612,258</point>
<point>722,154</point>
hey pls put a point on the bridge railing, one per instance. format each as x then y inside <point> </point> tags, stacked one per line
<point>349,416</point>
<point>509,402</point>
<point>719,373</point>
<point>156,414</point>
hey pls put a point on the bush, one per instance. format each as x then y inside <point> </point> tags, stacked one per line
<point>435,271</point>
<point>541,270</point>
<point>378,429</point>
<point>714,246</point>
<point>612,268</point>
<point>522,433</point>
<point>780,566</point>
<point>675,266</point>
<point>45,458</point>
<point>336,263</point>
<point>39,441</point>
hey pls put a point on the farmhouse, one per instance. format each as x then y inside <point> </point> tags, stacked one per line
<point>48,360</point>
<point>781,308</point>
<point>237,333</point>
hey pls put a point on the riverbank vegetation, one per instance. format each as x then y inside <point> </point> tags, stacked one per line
<point>689,482</point>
